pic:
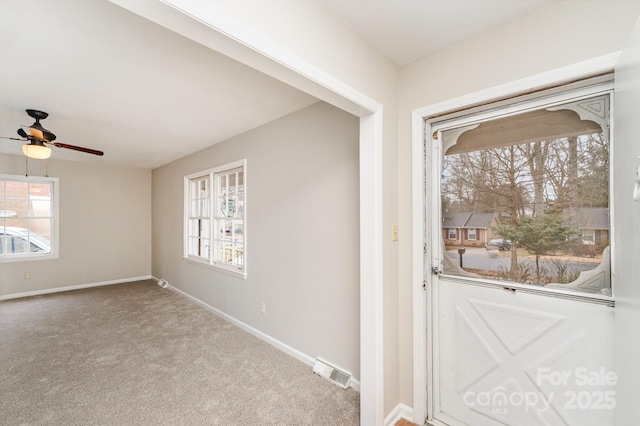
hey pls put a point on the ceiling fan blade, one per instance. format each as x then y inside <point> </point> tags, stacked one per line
<point>77,148</point>
<point>13,139</point>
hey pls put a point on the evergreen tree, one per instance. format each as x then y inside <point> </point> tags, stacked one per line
<point>540,235</point>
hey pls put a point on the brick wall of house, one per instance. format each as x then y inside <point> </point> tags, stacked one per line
<point>463,240</point>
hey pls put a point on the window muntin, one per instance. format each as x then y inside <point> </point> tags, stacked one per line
<point>544,174</point>
<point>471,235</point>
<point>452,234</point>
<point>28,218</point>
<point>215,217</point>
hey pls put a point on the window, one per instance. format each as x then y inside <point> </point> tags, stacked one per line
<point>215,217</point>
<point>453,234</point>
<point>541,168</point>
<point>199,234</point>
<point>588,236</point>
<point>28,218</point>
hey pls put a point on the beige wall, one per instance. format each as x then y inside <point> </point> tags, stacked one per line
<point>105,226</point>
<point>302,253</point>
<point>558,35</point>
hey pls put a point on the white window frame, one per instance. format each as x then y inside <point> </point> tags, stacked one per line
<point>449,233</point>
<point>202,217</point>
<point>588,236</point>
<point>54,241</point>
<point>212,260</point>
<point>475,234</point>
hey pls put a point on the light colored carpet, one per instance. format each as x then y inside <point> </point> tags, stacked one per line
<point>137,354</point>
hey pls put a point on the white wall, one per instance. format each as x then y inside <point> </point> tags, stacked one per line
<point>302,194</point>
<point>558,35</point>
<point>105,226</point>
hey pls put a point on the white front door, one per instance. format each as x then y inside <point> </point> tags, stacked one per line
<point>523,326</point>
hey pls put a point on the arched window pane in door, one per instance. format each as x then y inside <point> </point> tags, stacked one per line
<point>528,196</point>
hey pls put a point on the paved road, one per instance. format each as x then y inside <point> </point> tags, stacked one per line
<point>481,259</point>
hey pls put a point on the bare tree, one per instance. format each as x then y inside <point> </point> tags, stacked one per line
<point>536,154</point>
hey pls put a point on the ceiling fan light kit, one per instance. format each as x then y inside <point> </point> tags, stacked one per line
<point>37,151</point>
<point>37,136</point>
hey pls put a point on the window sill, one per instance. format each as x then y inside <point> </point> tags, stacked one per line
<point>26,258</point>
<point>237,274</point>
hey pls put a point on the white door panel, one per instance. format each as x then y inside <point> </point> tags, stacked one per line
<point>514,358</point>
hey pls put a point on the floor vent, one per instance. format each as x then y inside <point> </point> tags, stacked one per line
<point>335,375</point>
<point>163,283</point>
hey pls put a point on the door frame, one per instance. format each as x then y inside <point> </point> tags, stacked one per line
<point>424,310</point>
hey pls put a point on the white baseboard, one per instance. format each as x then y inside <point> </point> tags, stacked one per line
<point>309,360</point>
<point>72,287</point>
<point>401,411</point>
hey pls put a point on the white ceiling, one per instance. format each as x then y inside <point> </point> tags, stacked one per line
<point>113,81</point>
<point>406,30</point>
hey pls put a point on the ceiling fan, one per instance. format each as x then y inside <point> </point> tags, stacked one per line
<point>38,137</point>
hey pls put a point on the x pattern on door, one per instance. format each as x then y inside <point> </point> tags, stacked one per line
<point>514,358</point>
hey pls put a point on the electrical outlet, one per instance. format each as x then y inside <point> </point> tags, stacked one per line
<point>263,308</point>
<point>166,269</point>
<point>27,275</point>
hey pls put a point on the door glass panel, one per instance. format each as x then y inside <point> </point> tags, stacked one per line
<point>525,198</point>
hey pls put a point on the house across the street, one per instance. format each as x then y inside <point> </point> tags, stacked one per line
<point>468,229</point>
<point>593,224</point>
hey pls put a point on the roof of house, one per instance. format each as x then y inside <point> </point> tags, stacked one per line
<point>454,220</point>
<point>480,220</point>
<point>591,218</point>
<point>467,220</point>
